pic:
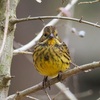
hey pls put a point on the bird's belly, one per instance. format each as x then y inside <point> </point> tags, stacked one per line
<point>49,64</point>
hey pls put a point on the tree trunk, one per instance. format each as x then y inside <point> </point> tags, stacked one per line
<point>7,54</point>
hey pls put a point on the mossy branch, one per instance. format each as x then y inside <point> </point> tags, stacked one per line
<point>7,10</point>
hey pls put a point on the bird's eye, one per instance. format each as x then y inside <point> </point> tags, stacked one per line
<point>45,34</point>
<point>56,34</point>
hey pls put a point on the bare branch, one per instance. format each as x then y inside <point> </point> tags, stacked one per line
<point>66,91</point>
<point>47,95</point>
<point>65,75</point>
<point>6,27</point>
<point>89,2</point>
<point>24,52</point>
<point>52,22</point>
<point>58,17</point>
<point>30,97</point>
<point>32,43</point>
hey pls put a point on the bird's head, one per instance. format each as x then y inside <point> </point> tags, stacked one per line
<point>50,36</point>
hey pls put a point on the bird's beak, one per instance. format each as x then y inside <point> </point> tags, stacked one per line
<point>51,35</point>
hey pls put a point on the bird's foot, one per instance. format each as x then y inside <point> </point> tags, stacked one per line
<point>46,82</point>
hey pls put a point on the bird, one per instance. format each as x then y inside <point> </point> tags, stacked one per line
<point>51,55</point>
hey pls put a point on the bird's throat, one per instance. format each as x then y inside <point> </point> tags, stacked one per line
<point>51,41</point>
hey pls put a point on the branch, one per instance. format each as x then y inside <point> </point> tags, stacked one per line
<point>66,91</point>
<point>6,28</point>
<point>48,96</point>
<point>23,52</point>
<point>89,2</point>
<point>7,10</point>
<point>57,17</point>
<point>65,75</point>
<point>52,22</point>
<point>32,43</point>
<point>32,98</point>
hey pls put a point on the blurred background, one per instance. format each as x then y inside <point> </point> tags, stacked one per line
<point>84,50</point>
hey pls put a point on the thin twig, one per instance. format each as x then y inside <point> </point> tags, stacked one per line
<point>66,91</point>
<point>65,75</point>
<point>47,95</point>
<point>55,96</point>
<point>33,98</point>
<point>6,27</point>
<point>23,52</point>
<point>89,2</point>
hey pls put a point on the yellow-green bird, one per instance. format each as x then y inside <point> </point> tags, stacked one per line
<point>50,55</point>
